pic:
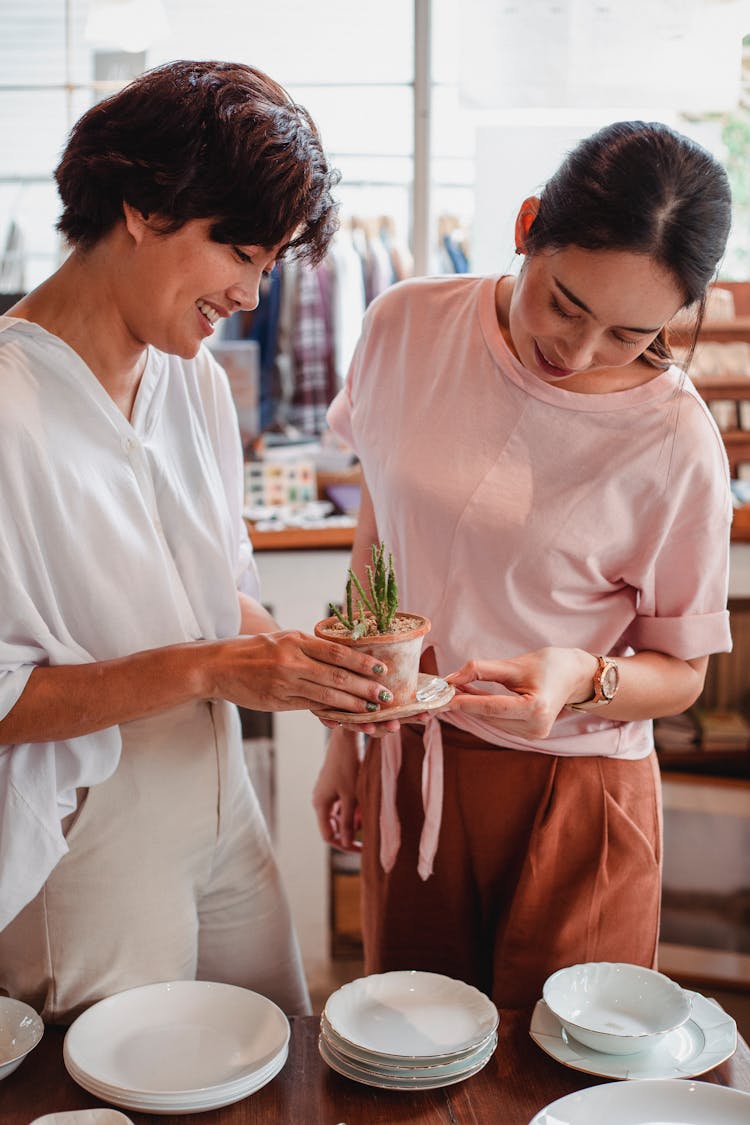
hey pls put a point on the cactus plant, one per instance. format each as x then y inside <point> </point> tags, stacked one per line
<point>380,600</point>
<point>372,622</point>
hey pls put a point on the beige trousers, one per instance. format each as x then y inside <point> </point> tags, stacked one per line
<point>543,862</point>
<point>170,876</point>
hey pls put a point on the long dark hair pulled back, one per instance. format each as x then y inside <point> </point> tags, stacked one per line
<point>641,186</point>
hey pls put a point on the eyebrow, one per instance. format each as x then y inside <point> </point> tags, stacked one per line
<point>579,303</point>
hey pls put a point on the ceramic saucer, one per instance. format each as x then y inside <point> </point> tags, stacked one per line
<point>432,695</point>
<point>708,1038</point>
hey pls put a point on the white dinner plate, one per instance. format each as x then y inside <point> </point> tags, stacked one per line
<point>408,1074</point>
<point>661,1102</point>
<point>708,1038</point>
<point>372,1059</point>
<point>433,693</point>
<point>181,1038</point>
<point>387,1082</point>
<point>411,1015</point>
<point>157,1098</point>
<point>167,1104</point>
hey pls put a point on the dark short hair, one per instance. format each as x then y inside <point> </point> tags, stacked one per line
<point>641,186</point>
<point>197,140</point>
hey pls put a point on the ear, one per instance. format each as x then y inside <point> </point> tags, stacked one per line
<point>136,222</point>
<point>524,222</point>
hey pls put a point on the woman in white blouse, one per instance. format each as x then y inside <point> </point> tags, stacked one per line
<point>132,848</point>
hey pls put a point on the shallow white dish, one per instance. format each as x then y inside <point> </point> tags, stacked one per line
<point>649,1103</point>
<point>433,693</point>
<point>708,1038</point>
<point>397,1063</point>
<point>465,1062</point>
<point>387,1081</point>
<point>411,1015</point>
<point>139,1099</point>
<point>195,1102</point>
<point>615,1007</point>
<point>178,1039</point>
<point>408,1076</point>
<point>21,1029</point>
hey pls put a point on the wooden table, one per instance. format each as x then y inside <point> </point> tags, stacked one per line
<point>517,1082</point>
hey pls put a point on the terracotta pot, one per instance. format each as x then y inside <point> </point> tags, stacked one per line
<point>400,652</point>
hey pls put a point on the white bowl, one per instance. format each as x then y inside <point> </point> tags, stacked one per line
<point>616,1008</point>
<point>20,1031</point>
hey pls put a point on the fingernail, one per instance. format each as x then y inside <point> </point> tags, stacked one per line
<point>372,707</point>
<point>385,696</point>
<point>378,669</point>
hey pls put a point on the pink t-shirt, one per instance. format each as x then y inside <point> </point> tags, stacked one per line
<point>521,514</point>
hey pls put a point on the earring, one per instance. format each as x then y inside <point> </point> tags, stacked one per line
<point>519,251</point>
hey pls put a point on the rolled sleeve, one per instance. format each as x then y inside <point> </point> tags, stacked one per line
<point>684,637</point>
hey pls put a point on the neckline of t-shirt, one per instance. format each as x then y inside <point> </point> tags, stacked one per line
<point>661,386</point>
<point>146,388</point>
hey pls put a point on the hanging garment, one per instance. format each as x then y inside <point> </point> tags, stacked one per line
<point>315,382</point>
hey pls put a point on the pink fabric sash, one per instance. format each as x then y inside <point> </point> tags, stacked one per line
<point>432,787</point>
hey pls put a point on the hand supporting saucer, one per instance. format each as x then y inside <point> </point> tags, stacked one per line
<point>433,694</point>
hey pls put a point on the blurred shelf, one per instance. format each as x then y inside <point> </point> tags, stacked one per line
<point>714,332</point>
<point>302,539</point>
<point>710,387</point>
<point>730,764</point>
<point>741,524</point>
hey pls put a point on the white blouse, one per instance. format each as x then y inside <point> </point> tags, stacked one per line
<point>115,537</point>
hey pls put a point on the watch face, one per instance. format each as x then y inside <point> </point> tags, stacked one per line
<point>609,681</point>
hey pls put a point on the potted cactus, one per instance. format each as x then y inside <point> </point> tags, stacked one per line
<point>372,621</point>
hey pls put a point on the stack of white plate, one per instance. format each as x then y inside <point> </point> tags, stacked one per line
<point>178,1046</point>
<point>408,1031</point>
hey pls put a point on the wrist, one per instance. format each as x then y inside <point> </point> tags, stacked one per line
<point>587,666</point>
<point>201,674</point>
<point>602,686</point>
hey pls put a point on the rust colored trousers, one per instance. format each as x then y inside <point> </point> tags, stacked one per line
<point>543,861</point>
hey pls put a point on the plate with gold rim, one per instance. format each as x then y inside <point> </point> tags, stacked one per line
<point>708,1038</point>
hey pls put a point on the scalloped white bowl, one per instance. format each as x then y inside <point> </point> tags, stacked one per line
<point>615,1007</point>
<point>21,1028</point>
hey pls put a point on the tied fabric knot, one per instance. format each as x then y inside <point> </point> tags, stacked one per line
<point>432,797</point>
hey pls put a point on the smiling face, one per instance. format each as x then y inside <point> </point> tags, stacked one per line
<point>178,286</point>
<point>585,316</point>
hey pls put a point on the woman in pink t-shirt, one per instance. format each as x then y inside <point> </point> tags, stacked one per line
<point>555,494</point>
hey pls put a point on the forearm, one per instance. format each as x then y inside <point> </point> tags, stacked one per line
<point>73,700</point>
<point>264,671</point>
<point>255,618</point>
<point>540,685</point>
<point>651,684</point>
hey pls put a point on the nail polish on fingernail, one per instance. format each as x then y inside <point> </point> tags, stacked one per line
<point>378,669</point>
<point>372,707</point>
<point>385,696</point>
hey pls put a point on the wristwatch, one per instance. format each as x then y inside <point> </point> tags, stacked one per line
<point>606,681</point>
